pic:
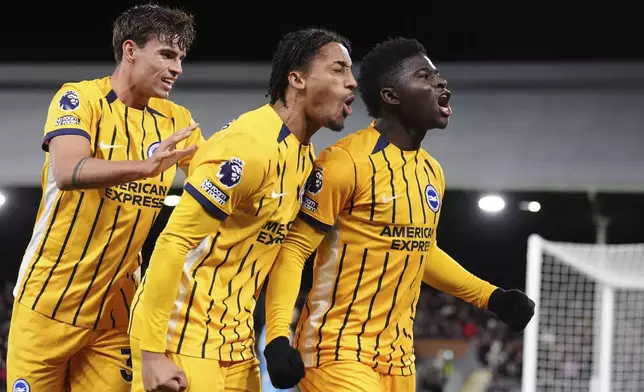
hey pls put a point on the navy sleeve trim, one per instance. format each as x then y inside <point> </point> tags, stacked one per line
<point>209,206</point>
<point>63,131</point>
<point>314,223</point>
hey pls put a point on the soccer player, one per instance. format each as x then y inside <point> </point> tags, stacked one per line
<point>192,321</point>
<point>372,206</point>
<point>112,150</point>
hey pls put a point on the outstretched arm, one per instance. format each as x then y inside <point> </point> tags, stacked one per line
<point>512,307</point>
<point>445,274</point>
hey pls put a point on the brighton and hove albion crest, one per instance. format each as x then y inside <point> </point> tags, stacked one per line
<point>230,172</point>
<point>21,385</point>
<point>433,198</point>
<point>153,147</point>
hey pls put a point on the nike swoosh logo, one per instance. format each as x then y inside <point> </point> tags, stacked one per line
<point>107,146</point>
<point>386,199</point>
<point>275,195</point>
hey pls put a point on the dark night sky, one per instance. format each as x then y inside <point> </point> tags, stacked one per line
<point>492,247</point>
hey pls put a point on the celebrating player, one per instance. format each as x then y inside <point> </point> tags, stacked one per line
<point>113,145</point>
<point>192,319</point>
<point>373,204</point>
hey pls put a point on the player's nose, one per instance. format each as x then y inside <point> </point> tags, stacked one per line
<point>176,68</point>
<point>351,81</point>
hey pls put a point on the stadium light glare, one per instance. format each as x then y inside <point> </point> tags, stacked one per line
<point>3,199</point>
<point>532,206</point>
<point>172,200</point>
<point>491,203</point>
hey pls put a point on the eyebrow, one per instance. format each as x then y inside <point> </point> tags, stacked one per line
<point>431,71</point>
<point>343,63</point>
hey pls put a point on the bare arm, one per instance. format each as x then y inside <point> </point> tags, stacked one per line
<point>75,168</point>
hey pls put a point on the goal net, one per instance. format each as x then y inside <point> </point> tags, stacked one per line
<point>587,334</point>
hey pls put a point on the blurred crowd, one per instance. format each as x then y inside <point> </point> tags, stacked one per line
<point>499,350</point>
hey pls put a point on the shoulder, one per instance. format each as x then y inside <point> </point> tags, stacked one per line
<point>253,132</point>
<point>237,143</point>
<point>74,95</point>
<point>360,144</point>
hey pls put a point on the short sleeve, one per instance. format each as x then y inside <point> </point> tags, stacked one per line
<point>69,114</point>
<point>328,189</point>
<point>228,171</point>
<point>195,138</point>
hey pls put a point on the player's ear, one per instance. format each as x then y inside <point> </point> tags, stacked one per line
<point>389,96</point>
<point>129,50</point>
<point>297,80</point>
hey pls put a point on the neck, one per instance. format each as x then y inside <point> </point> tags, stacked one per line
<point>295,119</point>
<point>126,89</point>
<point>405,138</point>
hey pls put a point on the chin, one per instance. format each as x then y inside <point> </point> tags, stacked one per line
<point>334,125</point>
<point>442,123</point>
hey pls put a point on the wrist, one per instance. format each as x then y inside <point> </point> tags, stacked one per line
<point>143,169</point>
<point>493,302</point>
<point>276,345</point>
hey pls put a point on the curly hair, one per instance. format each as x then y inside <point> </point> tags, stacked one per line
<point>381,67</point>
<point>144,22</point>
<point>295,51</point>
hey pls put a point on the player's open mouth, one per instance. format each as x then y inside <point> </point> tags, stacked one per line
<point>443,104</point>
<point>168,83</point>
<point>346,108</point>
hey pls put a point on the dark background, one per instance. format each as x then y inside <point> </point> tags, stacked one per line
<point>457,30</point>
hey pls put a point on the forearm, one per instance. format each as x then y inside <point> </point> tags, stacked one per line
<point>162,281</point>
<point>92,173</point>
<point>445,274</point>
<point>286,276</point>
<point>187,227</point>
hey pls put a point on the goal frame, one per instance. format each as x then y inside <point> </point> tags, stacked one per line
<point>605,291</point>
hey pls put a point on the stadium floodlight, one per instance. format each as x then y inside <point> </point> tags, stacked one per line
<point>171,200</point>
<point>587,333</point>
<point>491,203</point>
<point>532,206</point>
<point>3,199</point>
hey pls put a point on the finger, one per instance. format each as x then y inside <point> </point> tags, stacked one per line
<point>182,380</point>
<point>186,152</point>
<point>171,385</point>
<point>161,155</point>
<point>177,137</point>
<point>190,128</point>
<point>184,133</point>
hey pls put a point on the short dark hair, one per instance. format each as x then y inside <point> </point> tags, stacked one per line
<point>147,21</point>
<point>295,51</point>
<point>381,67</point>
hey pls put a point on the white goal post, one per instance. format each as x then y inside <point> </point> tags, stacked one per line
<point>587,334</point>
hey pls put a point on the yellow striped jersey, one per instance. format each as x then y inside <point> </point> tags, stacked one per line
<point>380,207</point>
<point>240,199</point>
<point>79,267</point>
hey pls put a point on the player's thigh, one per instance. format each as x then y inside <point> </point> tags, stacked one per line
<point>105,364</point>
<point>202,374</point>
<point>341,376</point>
<point>242,376</point>
<point>398,383</point>
<point>39,350</point>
